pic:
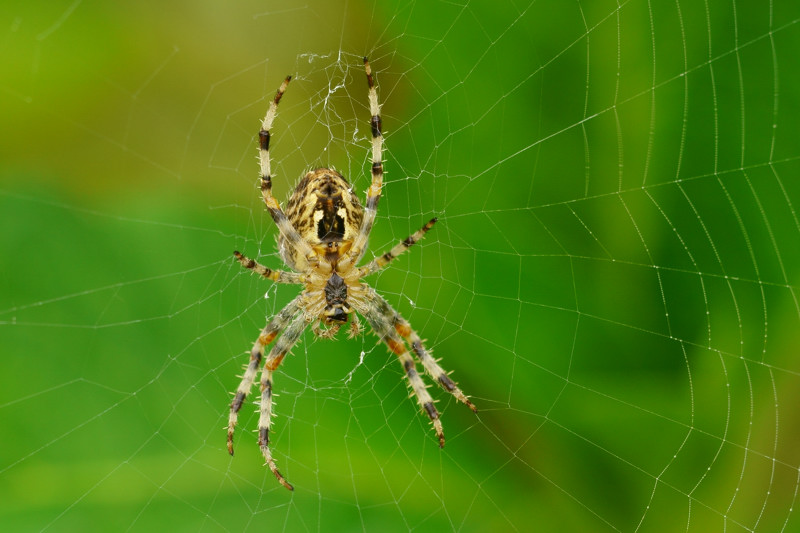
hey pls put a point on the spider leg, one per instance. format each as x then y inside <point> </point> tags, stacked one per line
<point>380,316</point>
<point>436,372</point>
<point>278,276</point>
<point>374,192</point>
<point>276,355</point>
<point>284,226</point>
<point>380,262</point>
<point>417,384</point>
<point>268,334</point>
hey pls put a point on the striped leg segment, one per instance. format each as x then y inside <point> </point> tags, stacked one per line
<point>380,262</point>
<point>436,372</point>
<point>380,316</point>
<point>417,385</point>
<point>374,192</point>
<point>278,276</point>
<point>276,355</point>
<point>285,227</point>
<point>268,334</point>
<point>263,144</point>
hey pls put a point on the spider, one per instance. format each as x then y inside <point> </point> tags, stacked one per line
<point>322,236</point>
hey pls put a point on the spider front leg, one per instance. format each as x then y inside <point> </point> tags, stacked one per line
<point>436,372</point>
<point>380,316</point>
<point>276,355</point>
<point>268,334</point>
<point>417,385</point>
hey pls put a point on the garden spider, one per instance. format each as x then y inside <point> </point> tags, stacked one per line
<point>323,235</point>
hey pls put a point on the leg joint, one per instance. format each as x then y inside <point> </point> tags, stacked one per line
<point>431,410</point>
<point>263,140</point>
<point>274,363</point>
<point>375,123</point>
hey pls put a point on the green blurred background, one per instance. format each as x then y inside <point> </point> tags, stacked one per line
<point>614,276</point>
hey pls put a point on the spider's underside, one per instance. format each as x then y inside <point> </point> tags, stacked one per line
<point>323,236</point>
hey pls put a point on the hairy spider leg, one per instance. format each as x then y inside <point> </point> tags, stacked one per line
<point>285,342</point>
<point>268,334</point>
<point>278,276</point>
<point>436,372</point>
<point>374,192</point>
<point>284,226</point>
<point>380,316</point>
<point>383,260</point>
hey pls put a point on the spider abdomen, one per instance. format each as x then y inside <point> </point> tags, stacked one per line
<point>326,213</point>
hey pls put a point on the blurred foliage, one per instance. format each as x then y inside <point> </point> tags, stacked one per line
<point>613,277</point>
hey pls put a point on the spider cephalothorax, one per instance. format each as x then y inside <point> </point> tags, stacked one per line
<point>323,235</point>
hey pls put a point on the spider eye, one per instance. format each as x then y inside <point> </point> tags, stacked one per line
<point>339,315</point>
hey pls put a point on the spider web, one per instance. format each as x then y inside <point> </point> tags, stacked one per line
<point>613,277</point>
